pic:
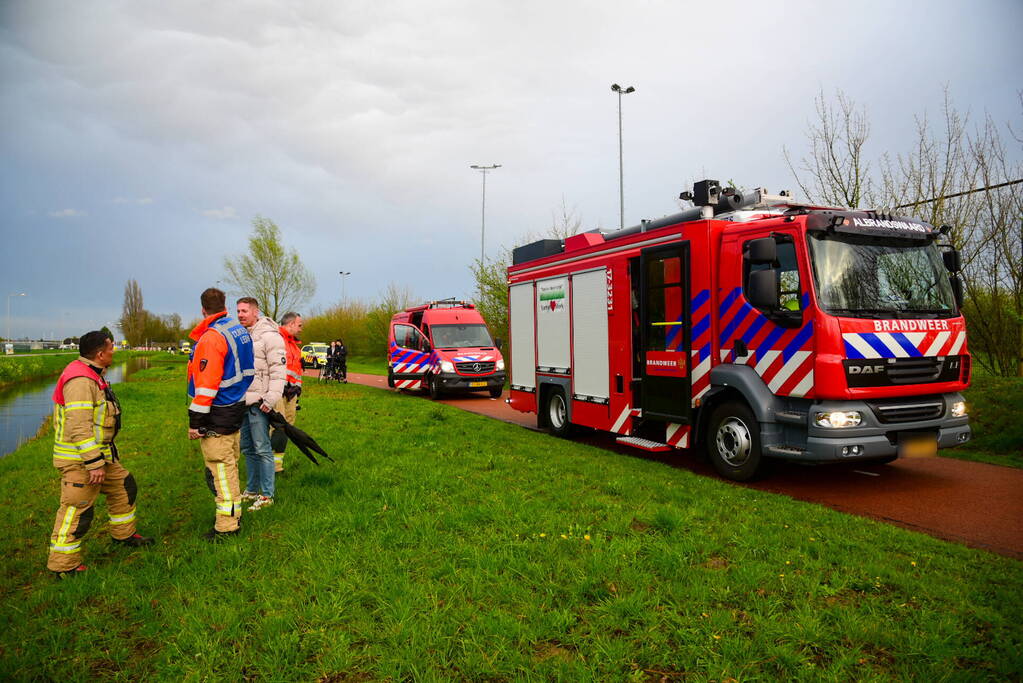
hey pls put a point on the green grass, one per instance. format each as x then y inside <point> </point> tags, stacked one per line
<point>994,405</point>
<point>369,365</point>
<point>443,545</point>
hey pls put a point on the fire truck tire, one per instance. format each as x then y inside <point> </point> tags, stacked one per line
<point>556,413</point>
<point>433,388</point>
<point>390,378</point>
<point>733,442</point>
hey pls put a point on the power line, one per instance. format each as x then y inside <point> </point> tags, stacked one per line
<point>959,194</point>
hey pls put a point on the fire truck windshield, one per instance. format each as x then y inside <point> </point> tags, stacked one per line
<point>461,336</point>
<point>873,277</point>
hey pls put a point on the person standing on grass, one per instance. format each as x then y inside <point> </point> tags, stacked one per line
<point>291,329</point>
<point>220,370</point>
<point>266,390</point>
<point>86,419</point>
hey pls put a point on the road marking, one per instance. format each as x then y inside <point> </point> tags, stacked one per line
<point>869,474</point>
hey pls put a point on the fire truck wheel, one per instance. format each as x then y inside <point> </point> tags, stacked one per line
<point>556,411</point>
<point>733,442</point>
<point>433,387</point>
<point>390,378</point>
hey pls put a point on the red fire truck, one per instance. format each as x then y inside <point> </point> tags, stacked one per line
<point>444,347</point>
<point>756,325</point>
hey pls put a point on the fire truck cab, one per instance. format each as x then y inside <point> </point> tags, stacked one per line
<point>754,325</point>
<point>444,347</point>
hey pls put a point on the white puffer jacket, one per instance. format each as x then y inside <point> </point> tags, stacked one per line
<point>271,363</point>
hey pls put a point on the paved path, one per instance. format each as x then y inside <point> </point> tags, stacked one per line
<point>972,503</point>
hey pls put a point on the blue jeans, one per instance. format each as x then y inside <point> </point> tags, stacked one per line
<point>259,455</point>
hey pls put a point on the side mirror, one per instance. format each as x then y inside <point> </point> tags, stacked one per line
<point>498,342</point>
<point>953,261</point>
<point>762,251</point>
<point>762,290</point>
<point>957,289</point>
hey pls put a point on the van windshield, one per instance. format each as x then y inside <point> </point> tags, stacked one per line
<point>461,336</point>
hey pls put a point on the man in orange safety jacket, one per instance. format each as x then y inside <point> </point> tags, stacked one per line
<point>290,329</point>
<point>86,419</point>
<point>220,370</point>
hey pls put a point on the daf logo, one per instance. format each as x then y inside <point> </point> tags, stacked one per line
<point>866,369</point>
<point>475,367</point>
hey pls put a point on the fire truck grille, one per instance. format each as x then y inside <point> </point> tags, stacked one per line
<point>914,370</point>
<point>910,409</point>
<point>475,367</point>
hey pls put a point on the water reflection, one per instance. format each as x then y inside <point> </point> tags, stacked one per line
<point>25,406</point>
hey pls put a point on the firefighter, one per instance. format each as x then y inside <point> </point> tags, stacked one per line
<point>220,371</point>
<point>291,328</point>
<point>86,418</point>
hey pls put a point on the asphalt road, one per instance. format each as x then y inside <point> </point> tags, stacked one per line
<point>972,503</point>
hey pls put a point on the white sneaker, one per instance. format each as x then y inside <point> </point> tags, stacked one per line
<point>261,502</point>
<point>249,495</point>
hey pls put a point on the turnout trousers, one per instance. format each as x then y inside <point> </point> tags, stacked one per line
<point>220,455</point>
<point>278,439</point>
<point>74,517</point>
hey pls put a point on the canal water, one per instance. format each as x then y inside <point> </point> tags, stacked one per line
<point>25,406</point>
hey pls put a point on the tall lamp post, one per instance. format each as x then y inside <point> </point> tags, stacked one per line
<point>7,335</point>
<point>621,175</point>
<point>343,275</point>
<point>483,220</point>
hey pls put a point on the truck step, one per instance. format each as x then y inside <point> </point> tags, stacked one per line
<point>644,444</point>
<point>791,416</point>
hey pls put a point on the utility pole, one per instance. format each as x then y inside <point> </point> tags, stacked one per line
<point>621,173</point>
<point>483,212</point>
<point>8,334</point>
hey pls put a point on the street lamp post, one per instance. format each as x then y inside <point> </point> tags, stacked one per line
<point>621,175</point>
<point>7,335</point>
<point>483,211</point>
<point>343,275</point>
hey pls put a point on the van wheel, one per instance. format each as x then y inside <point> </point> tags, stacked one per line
<point>733,443</point>
<point>433,388</point>
<point>495,392</point>
<point>556,413</point>
<point>390,378</point>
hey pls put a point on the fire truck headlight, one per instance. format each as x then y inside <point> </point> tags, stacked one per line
<point>959,409</point>
<point>838,419</point>
<point>447,366</point>
<point>500,365</point>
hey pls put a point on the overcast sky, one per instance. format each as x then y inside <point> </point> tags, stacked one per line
<point>139,139</point>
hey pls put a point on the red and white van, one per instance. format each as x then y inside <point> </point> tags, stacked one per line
<point>444,347</point>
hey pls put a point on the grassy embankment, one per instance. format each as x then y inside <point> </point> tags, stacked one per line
<point>443,545</point>
<point>14,369</point>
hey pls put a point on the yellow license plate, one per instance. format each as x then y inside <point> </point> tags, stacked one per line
<point>926,447</point>
<point>477,384</point>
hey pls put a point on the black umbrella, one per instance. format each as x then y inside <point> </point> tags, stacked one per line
<point>303,441</point>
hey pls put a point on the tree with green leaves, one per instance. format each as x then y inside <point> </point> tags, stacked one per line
<point>269,272</point>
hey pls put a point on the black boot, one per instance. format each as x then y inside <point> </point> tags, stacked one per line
<point>214,536</point>
<point>135,541</point>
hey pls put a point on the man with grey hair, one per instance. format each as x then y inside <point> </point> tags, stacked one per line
<point>290,329</point>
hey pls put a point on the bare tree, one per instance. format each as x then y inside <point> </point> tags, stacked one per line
<point>133,314</point>
<point>835,172</point>
<point>269,271</point>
